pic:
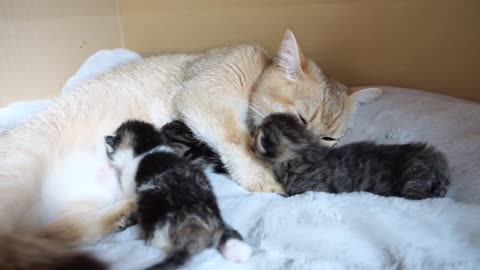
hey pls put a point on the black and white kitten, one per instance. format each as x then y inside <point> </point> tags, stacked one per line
<point>300,163</point>
<point>179,136</point>
<point>176,207</point>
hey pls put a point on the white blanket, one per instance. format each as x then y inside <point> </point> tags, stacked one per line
<point>345,231</point>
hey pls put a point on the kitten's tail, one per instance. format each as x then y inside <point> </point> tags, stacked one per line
<point>232,247</point>
<point>230,244</point>
<point>19,252</point>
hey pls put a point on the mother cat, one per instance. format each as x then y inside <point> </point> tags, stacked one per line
<point>210,91</point>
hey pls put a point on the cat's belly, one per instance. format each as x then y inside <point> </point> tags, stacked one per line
<point>83,176</point>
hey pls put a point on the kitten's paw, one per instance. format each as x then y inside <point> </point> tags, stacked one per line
<point>236,251</point>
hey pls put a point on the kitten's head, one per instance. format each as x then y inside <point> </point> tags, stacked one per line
<point>295,84</point>
<point>179,136</point>
<point>130,140</point>
<point>280,136</point>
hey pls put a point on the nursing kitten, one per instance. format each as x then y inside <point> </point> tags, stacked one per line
<point>300,163</point>
<point>176,207</point>
<point>178,136</point>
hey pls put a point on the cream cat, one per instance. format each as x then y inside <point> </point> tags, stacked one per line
<point>215,92</point>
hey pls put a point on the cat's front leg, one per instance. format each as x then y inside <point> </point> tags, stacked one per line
<point>246,170</point>
<point>223,128</point>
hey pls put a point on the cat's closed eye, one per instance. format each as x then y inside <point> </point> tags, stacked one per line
<point>328,139</point>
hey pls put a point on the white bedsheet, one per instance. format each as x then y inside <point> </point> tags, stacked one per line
<point>345,231</point>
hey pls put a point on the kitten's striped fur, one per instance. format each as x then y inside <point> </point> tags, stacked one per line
<point>301,164</point>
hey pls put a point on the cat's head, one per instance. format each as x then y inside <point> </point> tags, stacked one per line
<point>131,139</point>
<point>280,136</point>
<point>295,84</point>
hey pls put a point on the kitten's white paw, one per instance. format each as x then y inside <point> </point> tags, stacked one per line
<point>236,251</point>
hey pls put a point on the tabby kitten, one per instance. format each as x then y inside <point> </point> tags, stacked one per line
<point>176,207</point>
<point>300,163</point>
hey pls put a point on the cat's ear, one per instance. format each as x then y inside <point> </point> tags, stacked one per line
<point>364,95</point>
<point>290,58</point>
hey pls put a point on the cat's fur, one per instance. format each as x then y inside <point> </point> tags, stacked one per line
<point>210,91</point>
<point>20,252</point>
<point>179,137</point>
<point>300,163</point>
<point>176,208</point>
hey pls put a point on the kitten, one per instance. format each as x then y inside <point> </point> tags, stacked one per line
<point>176,207</point>
<point>178,136</point>
<point>300,163</point>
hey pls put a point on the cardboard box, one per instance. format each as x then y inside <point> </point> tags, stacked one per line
<point>424,44</point>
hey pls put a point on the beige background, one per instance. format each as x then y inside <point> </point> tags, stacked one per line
<point>43,42</point>
<point>427,44</point>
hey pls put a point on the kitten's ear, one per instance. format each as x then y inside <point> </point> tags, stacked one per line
<point>290,58</point>
<point>265,145</point>
<point>110,140</point>
<point>364,95</point>
<point>262,143</point>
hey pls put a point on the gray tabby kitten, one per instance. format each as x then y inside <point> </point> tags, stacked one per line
<point>176,207</point>
<point>300,163</point>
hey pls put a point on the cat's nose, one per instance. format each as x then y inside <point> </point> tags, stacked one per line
<point>109,140</point>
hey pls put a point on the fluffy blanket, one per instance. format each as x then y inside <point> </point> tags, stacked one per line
<point>345,231</point>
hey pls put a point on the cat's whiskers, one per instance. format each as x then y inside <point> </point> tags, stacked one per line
<point>251,105</point>
<point>255,110</point>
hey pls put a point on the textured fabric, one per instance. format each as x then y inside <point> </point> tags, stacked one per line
<point>345,231</point>
<point>453,125</point>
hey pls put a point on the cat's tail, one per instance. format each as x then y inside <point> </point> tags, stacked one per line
<point>232,247</point>
<point>19,252</point>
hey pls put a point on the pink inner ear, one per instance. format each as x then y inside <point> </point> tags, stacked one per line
<point>303,59</point>
<point>290,57</point>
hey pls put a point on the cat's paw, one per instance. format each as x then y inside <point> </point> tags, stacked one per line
<point>263,182</point>
<point>265,187</point>
<point>126,215</point>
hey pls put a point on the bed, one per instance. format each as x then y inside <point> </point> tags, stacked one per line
<point>344,231</point>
